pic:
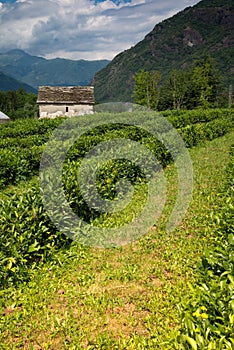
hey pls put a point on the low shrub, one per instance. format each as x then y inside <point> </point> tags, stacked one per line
<point>183,118</point>
<point>195,134</point>
<point>27,236</point>
<point>19,164</point>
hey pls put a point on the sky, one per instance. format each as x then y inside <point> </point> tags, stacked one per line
<point>81,29</point>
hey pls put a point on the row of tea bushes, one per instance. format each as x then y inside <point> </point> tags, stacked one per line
<point>27,235</point>
<point>19,164</point>
<point>182,118</point>
<point>208,319</point>
<point>26,142</point>
<point>26,127</point>
<point>21,146</point>
<point>197,133</point>
<point>21,142</point>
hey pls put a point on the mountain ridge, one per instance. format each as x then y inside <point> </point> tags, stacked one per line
<point>36,70</point>
<point>8,83</point>
<point>203,29</point>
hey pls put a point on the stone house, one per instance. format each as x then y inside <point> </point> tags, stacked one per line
<point>55,101</point>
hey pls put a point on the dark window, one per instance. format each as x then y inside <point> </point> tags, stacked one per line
<point>66,109</point>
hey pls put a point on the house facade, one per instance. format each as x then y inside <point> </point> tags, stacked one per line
<point>69,101</point>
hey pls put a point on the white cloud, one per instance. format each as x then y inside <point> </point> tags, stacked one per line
<point>79,28</point>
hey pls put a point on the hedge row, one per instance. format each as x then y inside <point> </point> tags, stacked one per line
<point>17,165</point>
<point>21,141</point>
<point>21,146</point>
<point>182,118</point>
<point>26,127</point>
<point>197,133</point>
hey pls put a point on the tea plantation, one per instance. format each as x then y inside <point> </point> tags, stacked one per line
<point>163,291</point>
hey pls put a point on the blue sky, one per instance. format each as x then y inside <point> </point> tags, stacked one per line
<point>81,29</point>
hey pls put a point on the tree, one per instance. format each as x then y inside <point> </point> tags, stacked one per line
<point>18,104</point>
<point>196,86</point>
<point>146,88</point>
<point>178,87</point>
<point>174,94</point>
<point>206,82</point>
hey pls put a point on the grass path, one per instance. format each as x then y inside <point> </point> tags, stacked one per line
<point>121,298</point>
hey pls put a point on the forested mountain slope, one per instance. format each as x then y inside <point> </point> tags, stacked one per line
<point>204,29</point>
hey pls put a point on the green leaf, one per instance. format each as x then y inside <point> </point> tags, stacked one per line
<point>191,342</point>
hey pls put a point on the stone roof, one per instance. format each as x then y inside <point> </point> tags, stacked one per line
<point>66,94</point>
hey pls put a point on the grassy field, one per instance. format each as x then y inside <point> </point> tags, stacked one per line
<point>120,298</point>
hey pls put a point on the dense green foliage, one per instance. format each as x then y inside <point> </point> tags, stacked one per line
<point>196,86</point>
<point>22,141</point>
<point>206,28</point>
<point>146,89</point>
<point>18,104</point>
<point>27,234</point>
<point>195,134</point>
<point>208,318</point>
<point>21,146</point>
<point>183,118</point>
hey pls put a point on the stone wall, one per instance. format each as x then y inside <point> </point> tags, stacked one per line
<point>58,110</point>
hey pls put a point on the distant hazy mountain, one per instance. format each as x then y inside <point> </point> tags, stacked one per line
<point>206,28</point>
<point>8,83</point>
<point>36,71</point>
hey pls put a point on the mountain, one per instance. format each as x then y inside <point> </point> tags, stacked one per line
<point>206,28</point>
<point>8,83</point>
<point>36,71</point>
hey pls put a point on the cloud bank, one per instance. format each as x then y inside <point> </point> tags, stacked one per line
<point>81,29</point>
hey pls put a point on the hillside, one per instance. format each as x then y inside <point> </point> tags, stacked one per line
<point>7,83</point>
<point>206,28</point>
<point>37,71</point>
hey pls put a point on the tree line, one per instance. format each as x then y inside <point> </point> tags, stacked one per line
<point>199,85</point>
<point>18,104</point>
<point>196,86</point>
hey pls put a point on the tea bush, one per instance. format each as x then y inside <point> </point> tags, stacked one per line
<point>19,164</point>
<point>195,134</point>
<point>27,234</point>
<point>25,127</point>
<point>21,147</point>
<point>182,118</point>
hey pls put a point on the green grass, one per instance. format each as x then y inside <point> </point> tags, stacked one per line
<point>120,298</point>
<point>207,318</point>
